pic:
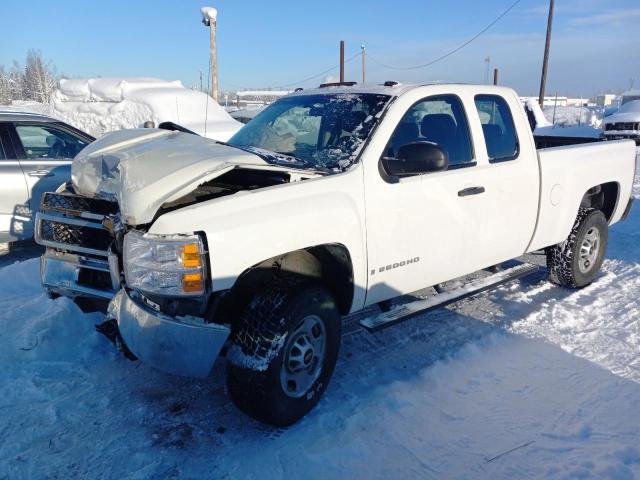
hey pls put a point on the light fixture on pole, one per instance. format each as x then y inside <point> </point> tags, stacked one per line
<point>209,19</point>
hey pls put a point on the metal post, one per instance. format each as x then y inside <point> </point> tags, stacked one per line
<point>341,61</point>
<point>214,60</point>
<point>545,63</point>
<point>487,67</point>
<point>364,67</point>
<point>495,76</point>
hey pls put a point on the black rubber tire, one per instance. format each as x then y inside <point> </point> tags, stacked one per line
<point>562,259</point>
<point>257,350</point>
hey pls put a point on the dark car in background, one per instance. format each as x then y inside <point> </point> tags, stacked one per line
<point>35,157</point>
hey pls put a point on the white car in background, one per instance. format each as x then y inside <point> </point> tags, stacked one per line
<point>35,157</point>
<point>625,123</point>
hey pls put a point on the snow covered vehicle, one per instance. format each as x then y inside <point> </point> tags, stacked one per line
<point>329,201</point>
<point>625,123</point>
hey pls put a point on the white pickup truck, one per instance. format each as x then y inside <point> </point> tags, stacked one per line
<point>329,201</point>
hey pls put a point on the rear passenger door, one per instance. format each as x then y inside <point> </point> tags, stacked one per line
<point>15,222</point>
<point>511,177</point>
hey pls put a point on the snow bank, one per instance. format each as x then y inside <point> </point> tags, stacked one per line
<point>534,107</point>
<point>585,131</point>
<point>99,105</point>
<point>570,121</point>
<point>106,89</point>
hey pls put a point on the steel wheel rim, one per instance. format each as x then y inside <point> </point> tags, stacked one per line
<point>589,249</point>
<point>303,356</point>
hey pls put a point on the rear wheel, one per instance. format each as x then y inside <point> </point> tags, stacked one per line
<point>283,352</point>
<point>575,262</point>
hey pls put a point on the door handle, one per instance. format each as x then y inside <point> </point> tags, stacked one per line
<point>41,173</point>
<point>471,191</point>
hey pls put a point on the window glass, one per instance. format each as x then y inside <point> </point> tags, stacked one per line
<point>498,128</point>
<point>440,120</point>
<point>313,131</point>
<point>44,141</point>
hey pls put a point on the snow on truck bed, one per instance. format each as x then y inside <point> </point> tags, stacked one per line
<point>528,381</point>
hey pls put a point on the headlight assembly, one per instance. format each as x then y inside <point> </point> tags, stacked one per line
<point>165,265</point>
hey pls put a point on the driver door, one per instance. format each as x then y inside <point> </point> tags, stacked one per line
<point>422,229</point>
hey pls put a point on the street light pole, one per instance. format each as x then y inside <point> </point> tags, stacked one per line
<point>209,19</point>
<point>364,66</point>
<point>341,61</point>
<point>545,63</point>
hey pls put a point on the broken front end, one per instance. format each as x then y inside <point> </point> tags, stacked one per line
<point>154,287</point>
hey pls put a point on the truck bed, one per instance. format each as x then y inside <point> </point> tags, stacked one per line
<point>565,170</point>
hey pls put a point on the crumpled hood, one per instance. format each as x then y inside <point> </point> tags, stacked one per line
<point>144,168</point>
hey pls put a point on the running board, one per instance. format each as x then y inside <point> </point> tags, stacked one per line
<point>407,310</point>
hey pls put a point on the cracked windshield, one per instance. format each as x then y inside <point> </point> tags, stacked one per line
<point>317,131</point>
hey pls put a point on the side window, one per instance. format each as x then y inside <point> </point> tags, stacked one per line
<point>441,120</point>
<point>44,141</point>
<point>497,125</point>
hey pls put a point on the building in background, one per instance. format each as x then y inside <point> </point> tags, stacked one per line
<point>255,98</point>
<point>606,99</point>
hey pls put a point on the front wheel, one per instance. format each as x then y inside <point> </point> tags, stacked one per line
<point>575,262</point>
<point>283,352</point>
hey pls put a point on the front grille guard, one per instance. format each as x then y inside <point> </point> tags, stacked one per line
<point>67,234</point>
<point>74,223</point>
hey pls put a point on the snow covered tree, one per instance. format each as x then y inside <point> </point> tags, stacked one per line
<point>5,95</point>
<point>36,81</point>
<point>39,78</point>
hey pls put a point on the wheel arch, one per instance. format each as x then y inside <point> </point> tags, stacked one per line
<point>329,264</point>
<point>603,197</point>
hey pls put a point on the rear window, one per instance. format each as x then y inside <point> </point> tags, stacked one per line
<point>497,125</point>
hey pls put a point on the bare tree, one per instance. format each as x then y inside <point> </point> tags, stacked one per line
<point>39,78</point>
<point>36,81</point>
<point>5,94</point>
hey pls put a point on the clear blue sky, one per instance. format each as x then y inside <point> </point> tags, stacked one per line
<point>596,44</point>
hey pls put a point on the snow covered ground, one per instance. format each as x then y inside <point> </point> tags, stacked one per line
<point>527,381</point>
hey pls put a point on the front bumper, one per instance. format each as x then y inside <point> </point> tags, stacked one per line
<point>63,273</point>
<point>181,346</point>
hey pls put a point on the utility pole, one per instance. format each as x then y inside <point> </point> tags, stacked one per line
<point>364,66</point>
<point>495,76</point>
<point>487,67</point>
<point>545,63</point>
<point>341,61</point>
<point>210,19</point>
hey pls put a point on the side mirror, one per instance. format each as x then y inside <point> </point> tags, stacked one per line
<point>416,158</point>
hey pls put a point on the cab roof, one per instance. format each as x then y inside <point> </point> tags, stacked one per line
<point>17,116</point>
<point>390,88</point>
